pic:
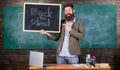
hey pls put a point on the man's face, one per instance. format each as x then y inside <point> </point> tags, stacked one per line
<point>69,13</point>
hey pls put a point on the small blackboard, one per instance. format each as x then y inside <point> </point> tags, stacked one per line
<point>37,16</point>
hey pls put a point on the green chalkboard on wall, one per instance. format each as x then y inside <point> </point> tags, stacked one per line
<point>99,20</point>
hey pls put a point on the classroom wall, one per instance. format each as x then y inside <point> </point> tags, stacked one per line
<point>18,59</point>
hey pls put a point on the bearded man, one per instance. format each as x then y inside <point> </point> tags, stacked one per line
<point>72,30</point>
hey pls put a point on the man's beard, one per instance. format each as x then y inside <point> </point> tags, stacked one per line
<point>69,17</point>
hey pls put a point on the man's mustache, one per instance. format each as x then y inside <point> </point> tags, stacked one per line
<point>68,14</point>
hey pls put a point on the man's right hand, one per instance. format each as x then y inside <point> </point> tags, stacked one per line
<point>44,32</point>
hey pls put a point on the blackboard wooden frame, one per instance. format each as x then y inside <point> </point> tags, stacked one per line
<point>37,16</point>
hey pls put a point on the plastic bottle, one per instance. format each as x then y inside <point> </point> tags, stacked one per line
<point>93,60</point>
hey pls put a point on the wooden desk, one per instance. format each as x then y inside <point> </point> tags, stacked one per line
<point>67,67</point>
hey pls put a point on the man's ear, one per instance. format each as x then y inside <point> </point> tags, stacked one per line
<point>73,10</point>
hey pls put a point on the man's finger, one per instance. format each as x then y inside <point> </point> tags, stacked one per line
<point>63,24</point>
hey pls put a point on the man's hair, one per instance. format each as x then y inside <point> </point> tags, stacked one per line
<point>68,5</point>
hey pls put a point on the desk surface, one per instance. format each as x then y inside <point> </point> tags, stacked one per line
<point>68,67</point>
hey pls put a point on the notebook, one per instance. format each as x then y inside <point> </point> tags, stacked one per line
<point>36,59</point>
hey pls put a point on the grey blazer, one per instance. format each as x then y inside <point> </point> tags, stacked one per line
<point>76,34</point>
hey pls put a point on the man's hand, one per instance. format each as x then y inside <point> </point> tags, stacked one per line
<point>44,32</point>
<point>67,27</point>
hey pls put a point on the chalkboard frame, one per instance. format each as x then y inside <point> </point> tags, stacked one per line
<point>58,25</point>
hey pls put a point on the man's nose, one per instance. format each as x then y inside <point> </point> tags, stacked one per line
<point>67,12</point>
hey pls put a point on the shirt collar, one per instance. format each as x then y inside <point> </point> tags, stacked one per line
<point>73,20</point>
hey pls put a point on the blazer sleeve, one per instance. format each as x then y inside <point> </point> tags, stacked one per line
<point>54,37</point>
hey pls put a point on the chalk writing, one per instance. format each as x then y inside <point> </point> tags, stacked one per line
<point>42,18</point>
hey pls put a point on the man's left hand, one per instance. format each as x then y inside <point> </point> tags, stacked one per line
<point>67,27</point>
